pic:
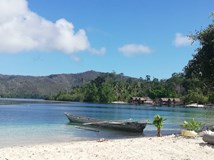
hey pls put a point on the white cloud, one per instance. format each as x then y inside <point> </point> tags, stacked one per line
<point>181,40</point>
<point>23,30</point>
<point>100,51</point>
<point>134,49</point>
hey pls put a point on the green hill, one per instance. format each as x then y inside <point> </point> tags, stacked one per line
<point>42,86</point>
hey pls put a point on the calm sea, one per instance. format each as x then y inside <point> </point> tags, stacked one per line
<point>32,122</point>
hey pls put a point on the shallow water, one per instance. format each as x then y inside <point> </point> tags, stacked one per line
<point>44,121</point>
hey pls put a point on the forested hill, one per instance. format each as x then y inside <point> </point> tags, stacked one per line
<point>43,86</point>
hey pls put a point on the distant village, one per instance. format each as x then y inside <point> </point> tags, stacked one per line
<point>157,101</point>
<point>165,102</point>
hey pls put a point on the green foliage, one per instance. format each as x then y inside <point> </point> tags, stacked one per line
<point>202,64</point>
<point>199,72</point>
<point>192,125</point>
<point>158,121</point>
<point>211,98</point>
<point>91,93</point>
<point>47,87</point>
<point>116,87</point>
<point>195,96</point>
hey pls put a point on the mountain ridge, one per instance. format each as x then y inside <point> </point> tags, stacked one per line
<point>26,86</point>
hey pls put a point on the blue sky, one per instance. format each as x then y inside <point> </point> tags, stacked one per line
<point>134,37</point>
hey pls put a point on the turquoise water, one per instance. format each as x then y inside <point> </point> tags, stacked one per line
<point>42,122</point>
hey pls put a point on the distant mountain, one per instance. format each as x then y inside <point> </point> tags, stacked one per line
<point>42,86</point>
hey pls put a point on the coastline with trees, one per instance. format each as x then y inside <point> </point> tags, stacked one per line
<point>194,85</point>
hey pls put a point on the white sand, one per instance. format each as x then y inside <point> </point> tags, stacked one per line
<point>145,148</point>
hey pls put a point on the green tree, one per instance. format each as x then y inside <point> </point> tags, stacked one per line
<point>106,93</point>
<point>91,93</point>
<point>158,123</point>
<point>202,64</point>
<point>211,98</point>
<point>195,96</point>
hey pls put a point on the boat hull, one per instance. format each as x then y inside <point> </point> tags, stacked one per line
<point>129,126</point>
<point>121,126</point>
<point>79,119</point>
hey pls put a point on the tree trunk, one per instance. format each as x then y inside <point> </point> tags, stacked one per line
<point>158,132</point>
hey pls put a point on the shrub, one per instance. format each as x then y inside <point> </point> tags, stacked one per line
<point>158,123</point>
<point>192,125</point>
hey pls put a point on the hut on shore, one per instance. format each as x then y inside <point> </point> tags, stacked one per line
<point>142,100</point>
<point>169,101</point>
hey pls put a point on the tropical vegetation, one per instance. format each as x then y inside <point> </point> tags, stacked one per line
<point>194,84</point>
<point>192,125</point>
<point>158,123</point>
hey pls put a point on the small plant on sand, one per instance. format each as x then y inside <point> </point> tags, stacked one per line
<point>192,125</point>
<point>158,123</point>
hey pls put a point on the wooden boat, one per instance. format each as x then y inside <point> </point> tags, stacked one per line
<point>208,137</point>
<point>79,119</point>
<point>128,125</point>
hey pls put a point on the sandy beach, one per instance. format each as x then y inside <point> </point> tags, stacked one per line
<point>167,148</point>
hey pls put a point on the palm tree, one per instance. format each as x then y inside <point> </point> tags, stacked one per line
<point>158,122</point>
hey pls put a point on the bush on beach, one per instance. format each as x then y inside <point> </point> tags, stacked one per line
<point>192,125</point>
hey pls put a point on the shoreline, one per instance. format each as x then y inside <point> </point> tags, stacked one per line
<point>163,148</point>
<point>31,100</point>
<point>29,141</point>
